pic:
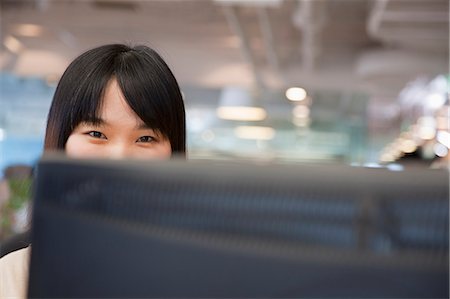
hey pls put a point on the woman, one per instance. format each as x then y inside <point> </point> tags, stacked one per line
<point>113,101</point>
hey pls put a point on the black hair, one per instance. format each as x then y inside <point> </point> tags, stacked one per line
<point>148,85</point>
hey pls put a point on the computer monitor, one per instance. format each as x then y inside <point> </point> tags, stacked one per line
<point>216,229</point>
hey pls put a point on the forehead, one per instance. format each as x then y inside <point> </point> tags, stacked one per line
<point>114,108</point>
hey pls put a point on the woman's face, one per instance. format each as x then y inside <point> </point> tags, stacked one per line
<point>120,133</point>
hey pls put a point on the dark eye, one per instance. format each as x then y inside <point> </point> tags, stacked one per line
<point>97,134</point>
<point>146,139</point>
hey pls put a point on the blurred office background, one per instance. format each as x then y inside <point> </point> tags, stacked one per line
<point>359,82</point>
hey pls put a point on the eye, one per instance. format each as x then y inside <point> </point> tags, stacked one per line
<point>97,134</point>
<point>145,139</point>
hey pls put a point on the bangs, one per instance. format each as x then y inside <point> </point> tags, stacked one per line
<point>91,112</point>
<point>146,101</point>
<point>151,91</point>
<point>90,103</point>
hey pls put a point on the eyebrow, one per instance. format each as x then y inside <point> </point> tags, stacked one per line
<point>97,121</point>
<point>143,126</point>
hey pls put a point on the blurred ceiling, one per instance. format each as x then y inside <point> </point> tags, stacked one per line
<point>374,46</point>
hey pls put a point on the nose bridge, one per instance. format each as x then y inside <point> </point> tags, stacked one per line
<point>118,150</point>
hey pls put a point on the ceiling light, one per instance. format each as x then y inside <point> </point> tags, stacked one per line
<point>236,103</point>
<point>301,122</point>
<point>296,94</point>
<point>387,157</point>
<point>435,100</point>
<point>254,132</point>
<point>428,121</point>
<point>426,133</point>
<point>408,146</point>
<point>427,127</point>
<point>395,167</point>
<point>300,111</point>
<point>444,138</point>
<point>13,44</point>
<point>241,113</point>
<point>440,150</point>
<point>29,30</point>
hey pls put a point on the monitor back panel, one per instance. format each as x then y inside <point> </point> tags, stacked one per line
<point>178,229</point>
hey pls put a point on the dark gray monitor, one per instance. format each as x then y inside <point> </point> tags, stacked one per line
<point>210,229</point>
